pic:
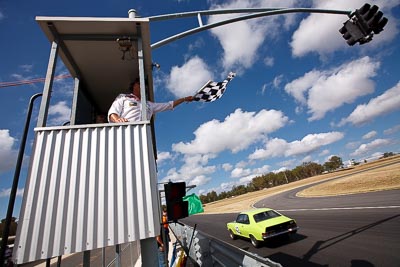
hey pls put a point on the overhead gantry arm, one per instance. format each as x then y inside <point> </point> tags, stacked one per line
<point>254,13</point>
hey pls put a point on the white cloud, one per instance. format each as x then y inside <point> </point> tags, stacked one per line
<point>317,33</point>
<point>8,156</point>
<point>365,148</point>
<point>261,170</point>
<point>240,172</point>
<point>178,82</point>
<point>320,32</point>
<point>324,91</point>
<point>278,147</point>
<point>277,81</point>
<point>324,152</point>
<point>242,176</point>
<point>26,67</point>
<point>193,170</point>
<point>282,169</point>
<point>199,43</point>
<point>251,37</point>
<point>241,40</point>
<point>376,155</point>
<point>269,61</point>
<point>162,156</point>
<point>369,135</point>
<point>227,167</point>
<point>245,180</point>
<point>237,132</point>
<point>59,113</point>
<point>352,145</point>
<point>196,159</point>
<point>263,89</point>
<point>246,175</point>
<point>387,102</point>
<point>307,158</point>
<point>200,180</point>
<point>298,88</point>
<point>285,164</point>
<point>241,164</point>
<point>6,141</point>
<point>172,175</point>
<point>226,186</point>
<point>195,165</point>
<point>392,130</point>
<point>62,87</point>
<point>7,192</point>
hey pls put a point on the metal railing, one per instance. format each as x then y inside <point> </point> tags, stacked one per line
<point>204,250</point>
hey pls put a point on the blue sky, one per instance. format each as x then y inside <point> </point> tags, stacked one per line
<point>301,93</point>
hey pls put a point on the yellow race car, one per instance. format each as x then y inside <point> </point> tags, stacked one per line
<point>260,224</point>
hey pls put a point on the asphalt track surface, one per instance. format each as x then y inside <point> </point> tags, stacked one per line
<point>359,230</point>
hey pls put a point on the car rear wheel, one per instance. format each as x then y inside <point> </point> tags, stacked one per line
<point>232,235</point>
<point>255,242</point>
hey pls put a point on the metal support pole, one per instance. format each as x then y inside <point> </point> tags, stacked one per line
<point>142,79</point>
<point>131,254</point>
<point>59,259</point>
<point>51,68</point>
<point>103,257</point>
<point>118,255</point>
<point>75,101</point>
<point>149,252</point>
<point>86,258</point>
<point>14,188</point>
<point>166,243</point>
<point>164,237</point>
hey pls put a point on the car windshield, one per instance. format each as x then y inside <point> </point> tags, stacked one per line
<point>265,215</point>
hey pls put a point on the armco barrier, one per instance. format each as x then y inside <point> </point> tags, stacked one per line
<point>207,251</point>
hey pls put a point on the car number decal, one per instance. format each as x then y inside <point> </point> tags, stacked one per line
<point>237,229</point>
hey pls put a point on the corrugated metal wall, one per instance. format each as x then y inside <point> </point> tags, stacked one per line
<point>87,188</point>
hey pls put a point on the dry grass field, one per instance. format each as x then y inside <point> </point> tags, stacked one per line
<point>382,178</point>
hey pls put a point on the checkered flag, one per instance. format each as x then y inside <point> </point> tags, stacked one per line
<point>211,91</point>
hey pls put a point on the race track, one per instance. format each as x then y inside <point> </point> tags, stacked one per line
<point>360,230</point>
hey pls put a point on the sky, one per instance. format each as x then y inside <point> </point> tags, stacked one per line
<point>300,94</point>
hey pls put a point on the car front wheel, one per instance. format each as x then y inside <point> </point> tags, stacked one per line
<point>232,235</point>
<point>255,242</point>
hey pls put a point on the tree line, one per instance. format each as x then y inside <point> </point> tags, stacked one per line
<point>303,171</point>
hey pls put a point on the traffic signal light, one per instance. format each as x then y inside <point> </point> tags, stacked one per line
<point>363,24</point>
<point>352,33</point>
<point>176,207</point>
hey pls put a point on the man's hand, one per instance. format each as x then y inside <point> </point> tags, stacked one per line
<point>183,99</point>
<point>115,118</point>
<point>189,98</point>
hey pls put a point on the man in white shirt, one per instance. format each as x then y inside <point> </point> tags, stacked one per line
<point>128,107</point>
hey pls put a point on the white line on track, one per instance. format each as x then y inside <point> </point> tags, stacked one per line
<point>348,208</point>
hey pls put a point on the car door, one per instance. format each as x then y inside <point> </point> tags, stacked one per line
<point>239,224</point>
<point>245,225</point>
